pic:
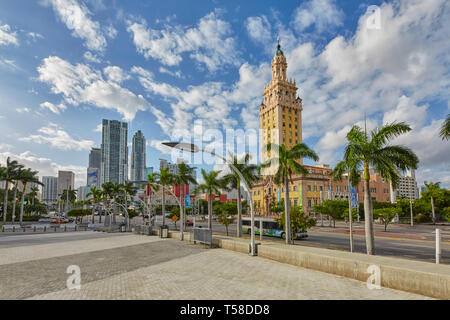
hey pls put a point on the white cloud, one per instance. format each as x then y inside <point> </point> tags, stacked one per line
<point>323,14</point>
<point>172,73</point>
<point>98,128</point>
<point>11,64</point>
<point>23,110</point>
<point>45,166</point>
<point>35,35</point>
<point>111,32</point>
<point>52,107</point>
<point>210,102</point>
<point>81,84</point>
<point>259,29</point>
<point>77,17</point>
<point>58,138</point>
<point>115,74</point>
<point>7,36</point>
<point>408,112</point>
<point>208,43</point>
<point>91,57</point>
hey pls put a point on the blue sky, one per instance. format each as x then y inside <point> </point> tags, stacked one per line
<point>160,65</point>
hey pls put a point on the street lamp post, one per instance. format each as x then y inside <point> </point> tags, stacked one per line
<point>193,148</point>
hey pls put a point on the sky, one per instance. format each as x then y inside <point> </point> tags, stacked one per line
<point>163,66</point>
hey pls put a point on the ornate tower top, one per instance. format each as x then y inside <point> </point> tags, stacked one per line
<point>279,65</point>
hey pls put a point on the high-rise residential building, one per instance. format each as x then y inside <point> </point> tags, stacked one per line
<point>66,180</point>
<point>173,167</point>
<point>95,163</point>
<point>49,190</point>
<point>280,114</point>
<point>114,163</point>
<point>407,186</point>
<point>138,160</point>
<point>82,192</point>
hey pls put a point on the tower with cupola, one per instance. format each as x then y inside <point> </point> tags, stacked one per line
<point>280,113</point>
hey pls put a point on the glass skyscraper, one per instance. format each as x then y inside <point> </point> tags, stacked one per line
<point>114,161</point>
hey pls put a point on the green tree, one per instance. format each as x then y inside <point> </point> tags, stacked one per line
<point>97,197</point>
<point>287,161</point>
<point>183,177</point>
<point>432,191</point>
<point>385,215</point>
<point>28,176</point>
<point>166,180</point>
<point>445,129</point>
<point>364,152</point>
<point>18,175</point>
<point>335,209</point>
<point>250,173</point>
<point>212,185</point>
<point>153,188</point>
<point>299,221</point>
<point>225,218</point>
<point>7,175</point>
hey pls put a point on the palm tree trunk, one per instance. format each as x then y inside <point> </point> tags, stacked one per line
<point>13,215</point>
<point>368,214</point>
<point>432,210</point>
<point>286,212</point>
<point>239,216</point>
<point>22,200</point>
<point>163,205</point>
<point>210,211</point>
<point>5,201</point>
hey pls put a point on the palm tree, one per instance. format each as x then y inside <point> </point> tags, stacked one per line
<point>250,173</point>
<point>153,187</point>
<point>364,152</point>
<point>97,195</point>
<point>68,196</point>
<point>445,129</point>
<point>108,193</point>
<point>117,191</point>
<point>130,190</point>
<point>8,176</point>
<point>18,174</point>
<point>432,188</point>
<point>287,166</point>
<point>183,177</point>
<point>165,179</point>
<point>33,193</point>
<point>212,185</point>
<point>29,176</point>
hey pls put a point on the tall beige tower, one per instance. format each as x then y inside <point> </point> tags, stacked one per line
<point>280,114</point>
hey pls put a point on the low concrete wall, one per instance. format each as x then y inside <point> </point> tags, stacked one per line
<point>412,276</point>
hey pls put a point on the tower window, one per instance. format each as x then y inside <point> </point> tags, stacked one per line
<point>295,111</point>
<point>283,116</point>
<point>284,124</point>
<point>290,126</point>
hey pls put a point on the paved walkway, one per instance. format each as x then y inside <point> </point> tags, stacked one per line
<point>141,267</point>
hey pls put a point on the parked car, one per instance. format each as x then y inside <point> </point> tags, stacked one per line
<point>59,220</point>
<point>189,223</point>
<point>45,219</point>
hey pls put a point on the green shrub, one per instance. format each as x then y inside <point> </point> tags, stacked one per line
<point>421,218</point>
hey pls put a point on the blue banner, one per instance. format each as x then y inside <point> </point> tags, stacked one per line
<point>278,195</point>
<point>354,198</point>
<point>188,201</point>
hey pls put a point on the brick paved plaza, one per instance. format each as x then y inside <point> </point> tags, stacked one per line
<point>126,266</point>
